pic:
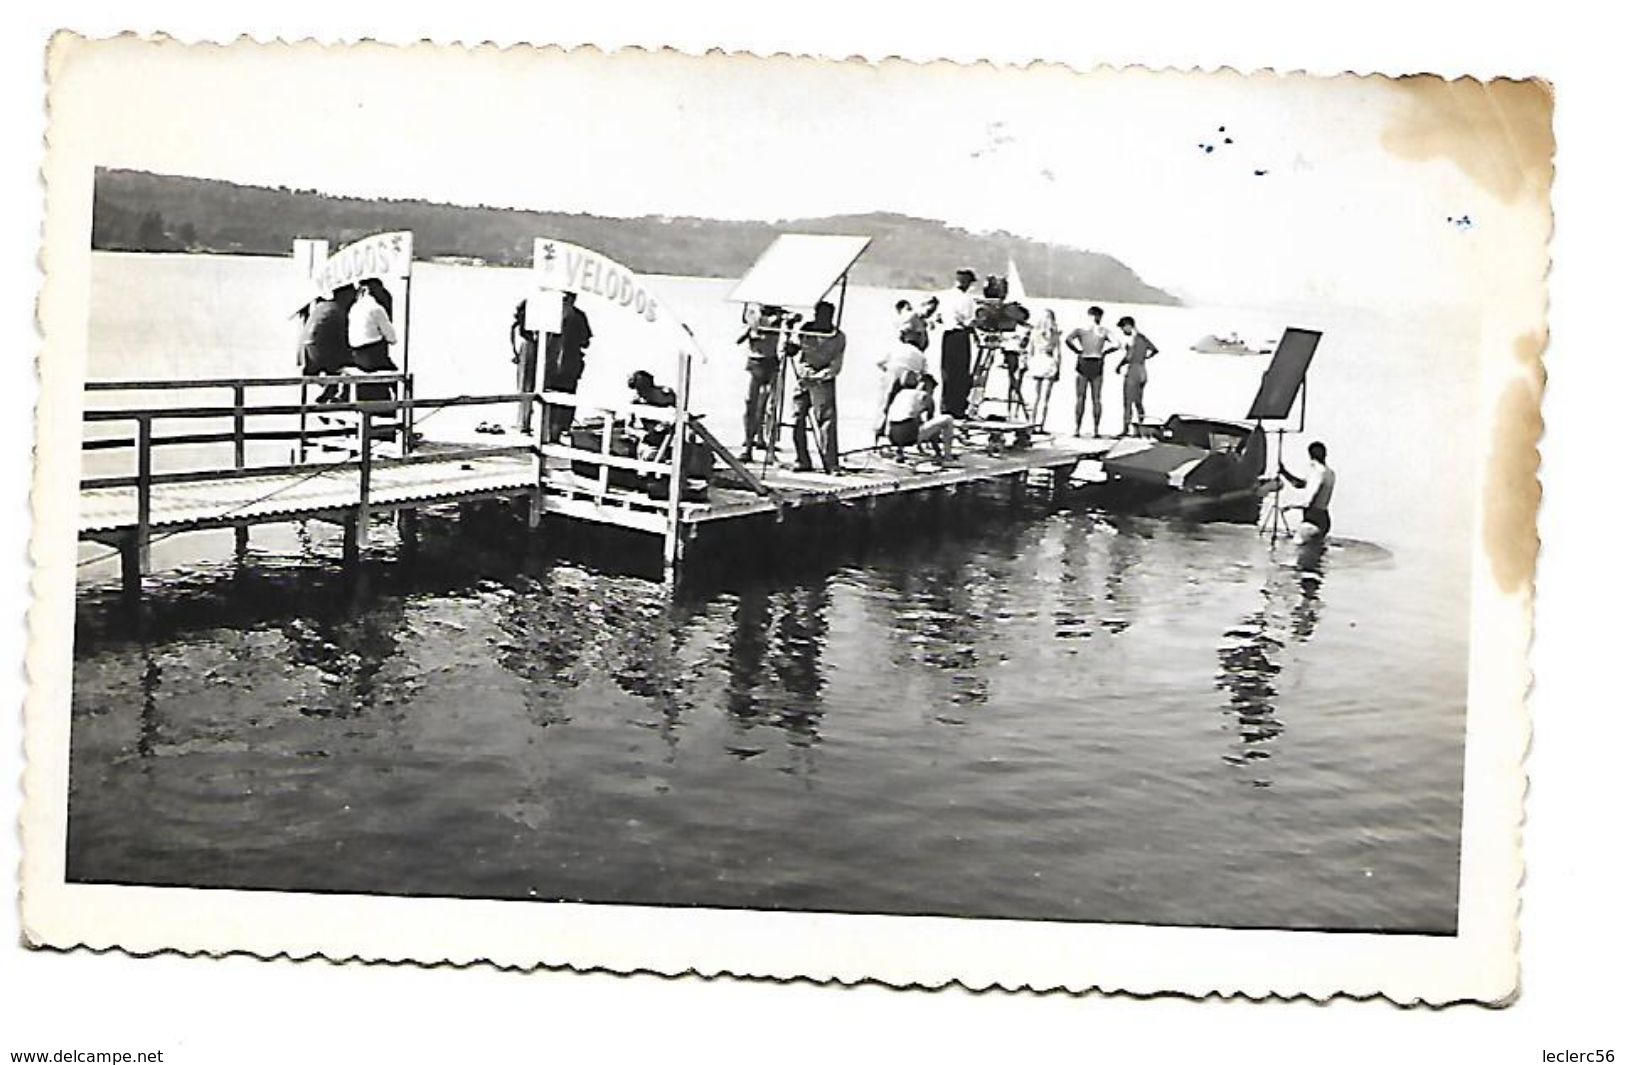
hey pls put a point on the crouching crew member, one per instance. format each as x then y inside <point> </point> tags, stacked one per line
<point>913,419</point>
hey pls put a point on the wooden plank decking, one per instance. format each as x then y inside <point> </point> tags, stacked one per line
<point>288,496</point>
<point>371,476</point>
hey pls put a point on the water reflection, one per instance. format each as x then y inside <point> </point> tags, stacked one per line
<point>349,644</point>
<point>147,730</point>
<point>1124,551</point>
<point>1091,599</point>
<point>929,608</point>
<point>1251,658</point>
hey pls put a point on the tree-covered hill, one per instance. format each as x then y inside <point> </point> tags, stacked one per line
<point>138,211</point>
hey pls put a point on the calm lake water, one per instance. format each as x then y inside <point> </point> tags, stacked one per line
<point>1026,712</point>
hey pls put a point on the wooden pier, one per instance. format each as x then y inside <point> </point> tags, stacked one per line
<point>354,462</point>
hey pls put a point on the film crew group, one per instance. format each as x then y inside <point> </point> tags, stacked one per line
<point>563,360</point>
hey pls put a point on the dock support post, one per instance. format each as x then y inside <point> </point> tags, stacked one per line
<point>239,454</point>
<point>406,526</point>
<point>352,539</point>
<point>538,491</point>
<point>1060,476</point>
<point>130,569</point>
<point>137,560</point>
<point>363,510</point>
<point>679,437</point>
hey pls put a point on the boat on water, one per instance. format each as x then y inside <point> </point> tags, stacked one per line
<point>1230,344</point>
<point>1203,469</point>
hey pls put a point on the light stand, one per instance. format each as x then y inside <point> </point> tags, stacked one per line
<point>1275,522</point>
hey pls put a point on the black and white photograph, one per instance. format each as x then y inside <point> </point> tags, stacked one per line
<point>787,517</point>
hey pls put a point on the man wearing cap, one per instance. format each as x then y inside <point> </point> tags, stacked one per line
<point>819,349</point>
<point>957,309</point>
<point>564,362</point>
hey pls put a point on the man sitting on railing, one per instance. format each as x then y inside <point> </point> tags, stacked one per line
<point>325,344</point>
<point>371,334</point>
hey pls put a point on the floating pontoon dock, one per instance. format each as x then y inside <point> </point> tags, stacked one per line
<point>352,464</point>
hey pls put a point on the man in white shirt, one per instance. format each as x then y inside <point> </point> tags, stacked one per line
<point>371,334</point>
<point>1317,515</point>
<point>371,331</point>
<point>957,310</point>
<point>901,367</point>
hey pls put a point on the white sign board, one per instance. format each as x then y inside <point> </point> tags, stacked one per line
<point>595,278</point>
<point>544,311</point>
<point>382,255</point>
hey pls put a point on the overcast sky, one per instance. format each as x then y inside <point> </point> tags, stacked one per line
<point>1110,161</point>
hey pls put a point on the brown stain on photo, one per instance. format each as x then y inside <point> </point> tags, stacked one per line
<point>1498,132</point>
<point>1512,489</point>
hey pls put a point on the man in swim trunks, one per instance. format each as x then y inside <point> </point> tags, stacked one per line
<point>1091,344</point>
<point>1137,348</point>
<point>1317,514</point>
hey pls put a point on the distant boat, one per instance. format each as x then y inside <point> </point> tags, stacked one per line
<point>1230,344</point>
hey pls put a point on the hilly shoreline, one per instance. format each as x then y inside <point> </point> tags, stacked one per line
<point>144,212</point>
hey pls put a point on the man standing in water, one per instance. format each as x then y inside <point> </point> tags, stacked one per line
<point>1091,344</point>
<point>565,360</point>
<point>1137,348</point>
<point>1317,514</point>
<point>958,311</point>
<point>818,350</point>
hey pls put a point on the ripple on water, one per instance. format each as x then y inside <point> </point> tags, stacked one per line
<point>1062,717</point>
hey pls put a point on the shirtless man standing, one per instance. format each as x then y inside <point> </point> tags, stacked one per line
<point>1317,514</point>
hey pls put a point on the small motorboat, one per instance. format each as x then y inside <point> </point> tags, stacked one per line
<point>1203,469</point>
